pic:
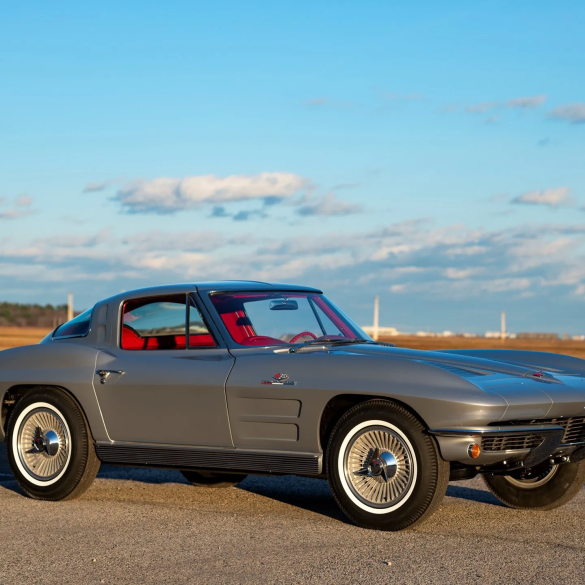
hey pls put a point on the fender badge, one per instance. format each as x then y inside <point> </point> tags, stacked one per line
<point>279,380</point>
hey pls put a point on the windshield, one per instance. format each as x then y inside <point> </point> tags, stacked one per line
<point>278,318</point>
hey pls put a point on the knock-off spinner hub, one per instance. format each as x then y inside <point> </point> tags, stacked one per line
<point>47,442</point>
<point>384,464</point>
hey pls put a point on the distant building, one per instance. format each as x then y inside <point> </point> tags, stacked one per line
<point>498,335</point>
<point>382,331</point>
<point>550,336</point>
<point>493,335</point>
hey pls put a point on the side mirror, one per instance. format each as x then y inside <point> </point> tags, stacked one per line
<point>283,305</point>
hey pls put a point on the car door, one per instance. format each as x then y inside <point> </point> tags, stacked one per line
<point>159,384</point>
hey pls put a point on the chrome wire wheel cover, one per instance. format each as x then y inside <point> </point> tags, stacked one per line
<point>538,478</point>
<point>379,466</point>
<point>43,444</point>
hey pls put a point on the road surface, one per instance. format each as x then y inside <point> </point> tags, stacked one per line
<point>150,526</point>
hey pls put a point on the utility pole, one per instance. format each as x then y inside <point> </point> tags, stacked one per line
<point>376,318</point>
<point>503,326</point>
<point>69,306</point>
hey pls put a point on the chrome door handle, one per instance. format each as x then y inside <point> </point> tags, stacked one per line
<point>104,374</point>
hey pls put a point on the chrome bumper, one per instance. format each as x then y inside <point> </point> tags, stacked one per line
<point>530,444</point>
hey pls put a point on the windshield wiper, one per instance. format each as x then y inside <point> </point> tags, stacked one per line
<point>349,340</point>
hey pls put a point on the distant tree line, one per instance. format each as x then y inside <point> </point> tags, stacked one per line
<point>19,315</point>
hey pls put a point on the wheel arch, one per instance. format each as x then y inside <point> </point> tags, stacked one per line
<point>15,393</point>
<point>341,403</point>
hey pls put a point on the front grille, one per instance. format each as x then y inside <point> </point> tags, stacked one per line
<point>574,427</point>
<point>508,442</point>
<point>574,433</point>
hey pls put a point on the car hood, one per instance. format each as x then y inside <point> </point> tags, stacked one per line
<point>467,363</point>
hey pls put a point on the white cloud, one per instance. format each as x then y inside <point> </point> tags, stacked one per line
<point>168,195</point>
<point>459,273</point>
<point>316,102</point>
<point>23,201</point>
<point>481,108</point>
<point>523,103</point>
<point>16,213</point>
<point>186,241</point>
<point>93,187</point>
<point>72,240</point>
<point>526,102</point>
<point>574,113</point>
<point>416,258</point>
<point>550,197</point>
<point>328,205</point>
<point>322,102</point>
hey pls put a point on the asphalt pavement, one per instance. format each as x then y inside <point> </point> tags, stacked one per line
<point>150,526</point>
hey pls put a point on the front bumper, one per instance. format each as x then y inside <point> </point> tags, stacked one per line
<point>529,444</point>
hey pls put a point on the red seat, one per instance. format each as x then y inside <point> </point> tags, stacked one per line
<point>201,340</point>
<point>131,339</point>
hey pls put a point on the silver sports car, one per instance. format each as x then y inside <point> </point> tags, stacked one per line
<point>224,379</point>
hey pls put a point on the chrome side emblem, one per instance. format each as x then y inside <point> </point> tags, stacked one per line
<point>279,380</point>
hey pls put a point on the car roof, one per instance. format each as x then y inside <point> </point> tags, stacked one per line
<point>214,286</point>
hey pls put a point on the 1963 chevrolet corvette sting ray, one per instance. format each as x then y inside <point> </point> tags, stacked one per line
<point>224,379</point>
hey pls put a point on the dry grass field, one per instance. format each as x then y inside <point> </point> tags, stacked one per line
<point>16,336</point>
<point>568,347</point>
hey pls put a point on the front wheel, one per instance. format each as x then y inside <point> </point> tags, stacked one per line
<point>384,471</point>
<point>543,487</point>
<point>50,448</point>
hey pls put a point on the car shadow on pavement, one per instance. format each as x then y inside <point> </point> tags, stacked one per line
<point>312,495</point>
<point>474,495</point>
<point>306,493</point>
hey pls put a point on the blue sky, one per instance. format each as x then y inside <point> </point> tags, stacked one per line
<point>431,154</point>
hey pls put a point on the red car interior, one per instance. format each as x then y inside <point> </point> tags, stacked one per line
<point>132,340</point>
<point>231,310</point>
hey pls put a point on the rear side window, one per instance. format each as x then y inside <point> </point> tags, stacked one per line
<point>77,327</point>
<point>161,323</point>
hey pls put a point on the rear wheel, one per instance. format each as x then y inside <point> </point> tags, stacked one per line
<point>210,479</point>
<point>384,471</point>
<point>543,487</point>
<point>50,448</point>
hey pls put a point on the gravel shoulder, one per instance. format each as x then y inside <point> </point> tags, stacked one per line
<point>150,526</point>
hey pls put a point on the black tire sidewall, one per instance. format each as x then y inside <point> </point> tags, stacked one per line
<point>80,443</point>
<point>562,487</point>
<point>424,450</point>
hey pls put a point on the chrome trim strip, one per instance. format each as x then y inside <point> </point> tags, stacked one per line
<point>208,458</point>
<point>500,431</point>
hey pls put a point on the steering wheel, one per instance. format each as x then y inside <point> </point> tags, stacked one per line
<point>297,337</point>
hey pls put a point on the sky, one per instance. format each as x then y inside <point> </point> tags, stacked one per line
<point>431,153</point>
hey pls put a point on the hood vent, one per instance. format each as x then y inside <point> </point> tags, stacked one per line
<point>462,373</point>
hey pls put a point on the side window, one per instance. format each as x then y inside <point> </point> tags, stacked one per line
<point>154,323</point>
<point>78,327</point>
<point>199,334</point>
